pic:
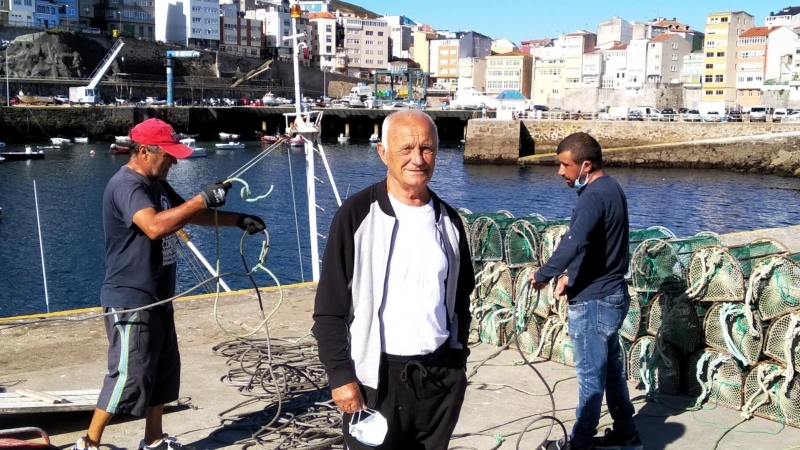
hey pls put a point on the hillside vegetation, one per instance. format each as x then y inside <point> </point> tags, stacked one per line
<point>346,7</point>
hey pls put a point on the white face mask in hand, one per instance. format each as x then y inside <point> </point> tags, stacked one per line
<point>370,431</point>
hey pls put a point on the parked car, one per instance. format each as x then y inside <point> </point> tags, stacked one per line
<point>668,115</point>
<point>636,115</point>
<point>61,99</point>
<point>692,115</point>
<point>793,116</point>
<point>683,110</point>
<point>540,108</point>
<point>733,116</point>
<point>779,114</point>
<point>712,116</point>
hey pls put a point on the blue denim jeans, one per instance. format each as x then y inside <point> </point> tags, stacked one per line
<point>593,327</point>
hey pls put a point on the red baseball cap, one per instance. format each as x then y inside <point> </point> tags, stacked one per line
<point>160,133</point>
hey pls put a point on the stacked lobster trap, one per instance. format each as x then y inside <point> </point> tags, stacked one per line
<point>718,323</point>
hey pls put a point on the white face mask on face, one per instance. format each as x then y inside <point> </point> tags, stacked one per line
<point>370,431</point>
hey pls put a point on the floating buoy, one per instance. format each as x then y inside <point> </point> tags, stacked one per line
<point>91,152</point>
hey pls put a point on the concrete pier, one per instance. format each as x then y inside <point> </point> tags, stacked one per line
<point>501,399</point>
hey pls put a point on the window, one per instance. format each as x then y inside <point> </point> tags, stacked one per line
<point>709,92</point>
<point>674,46</point>
<point>328,28</point>
<point>197,8</point>
<point>709,66</point>
<point>709,78</point>
<point>673,68</point>
<point>380,52</point>
<point>380,33</point>
<point>723,19</point>
<point>286,22</point>
<point>369,33</point>
<point>656,67</point>
<point>212,21</point>
<point>749,93</point>
<point>555,91</point>
<point>369,52</point>
<point>658,56</point>
<point>720,54</point>
<point>197,31</point>
<point>328,38</point>
<point>369,42</point>
<point>211,10</point>
<point>674,57</point>
<point>327,49</point>
<point>352,31</point>
<point>709,54</point>
<point>198,20</point>
<point>212,32</point>
<point>753,54</point>
<point>353,41</point>
<point>719,78</point>
<point>718,92</point>
<point>753,40</point>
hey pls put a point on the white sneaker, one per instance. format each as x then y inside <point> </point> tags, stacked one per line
<point>166,443</point>
<point>81,444</point>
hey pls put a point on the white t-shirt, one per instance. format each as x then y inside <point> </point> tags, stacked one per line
<point>414,315</point>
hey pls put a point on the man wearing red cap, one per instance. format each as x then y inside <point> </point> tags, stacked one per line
<point>141,213</point>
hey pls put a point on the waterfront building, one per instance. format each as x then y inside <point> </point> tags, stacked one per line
<point>401,37</point>
<point>530,46</point>
<point>722,32</point>
<point>132,17</point>
<point>504,45</point>
<point>592,69</point>
<point>794,82</point>
<point>449,47</point>
<point>86,13</point>
<point>616,66</point>
<point>238,35</point>
<point>647,30</point>
<point>665,55</point>
<point>692,71</point>
<point>68,13</point>
<point>326,38</point>
<point>786,17</point>
<point>660,25</point>
<point>193,23</point>
<point>366,45</point>
<point>763,57</point>
<point>277,23</point>
<point>21,12</point>
<point>472,73</point>
<point>614,30</point>
<point>635,64</point>
<point>575,45</point>
<point>509,71</point>
<point>46,15</point>
<point>548,68</point>
<point>420,50</point>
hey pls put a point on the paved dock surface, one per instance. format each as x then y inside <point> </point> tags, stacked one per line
<point>502,397</point>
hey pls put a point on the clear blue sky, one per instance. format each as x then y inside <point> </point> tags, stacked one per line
<point>520,20</point>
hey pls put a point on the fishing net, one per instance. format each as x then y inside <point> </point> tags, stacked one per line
<point>550,240</point>
<point>783,340</point>
<point>735,329</point>
<point>655,267</point>
<point>555,344</point>
<point>469,219</point>
<point>774,286</point>
<point>749,254</point>
<point>522,243</point>
<point>494,284</point>
<point>493,322</point>
<point>715,377</point>
<point>638,236</point>
<point>546,300</point>
<point>685,247</point>
<point>525,295</point>
<point>527,339</point>
<point>654,363</point>
<point>675,320</point>
<point>771,394</point>
<point>715,275</point>
<point>624,352</point>
<point>794,257</point>
<point>635,320</point>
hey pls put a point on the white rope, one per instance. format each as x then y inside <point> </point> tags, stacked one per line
<point>760,273</point>
<point>763,380</point>
<point>725,311</point>
<point>710,374</point>
<point>792,334</point>
<point>710,258</point>
<point>644,367</point>
<point>250,164</point>
<point>549,331</point>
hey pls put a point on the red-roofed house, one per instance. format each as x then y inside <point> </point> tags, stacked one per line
<point>665,55</point>
<point>616,62</point>
<point>759,58</point>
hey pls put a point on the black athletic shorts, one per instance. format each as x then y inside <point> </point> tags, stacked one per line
<point>144,366</point>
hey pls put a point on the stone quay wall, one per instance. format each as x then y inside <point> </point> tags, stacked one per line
<point>491,141</point>
<point>779,155</point>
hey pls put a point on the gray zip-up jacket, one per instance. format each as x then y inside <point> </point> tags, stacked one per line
<point>350,293</point>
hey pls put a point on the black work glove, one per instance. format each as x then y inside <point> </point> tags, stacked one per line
<point>251,224</point>
<point>214,194</point>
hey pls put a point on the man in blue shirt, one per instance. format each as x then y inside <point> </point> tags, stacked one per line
<point>141,214</point>
<point>594,254</point>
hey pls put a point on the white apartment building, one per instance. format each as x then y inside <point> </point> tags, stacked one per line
<point>616,67</point>
<point>402,35</point>
<point>472,73</point>
<point>636,64</point>
<point>323,40</point>
<point>575,45</point>
<point>366,44</point>
<point>277,23</point>
<point>614,30</point>
<point>787,17</point>
<point>193,23</point>
<point>593,65</point>
<point>20,12</point>
<point>548,70</point>
<point>692,71</point>
<point>665,55</point>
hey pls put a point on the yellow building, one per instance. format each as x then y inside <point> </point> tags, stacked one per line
<point>509,71</point>
<point>722,33</point>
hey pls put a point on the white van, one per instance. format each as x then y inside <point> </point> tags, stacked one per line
<point>648,112</point>
<point>758,113</point>
<point>779,114</point>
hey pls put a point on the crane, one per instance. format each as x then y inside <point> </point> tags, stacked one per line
<point>89,93</point>
<point>172,55</point>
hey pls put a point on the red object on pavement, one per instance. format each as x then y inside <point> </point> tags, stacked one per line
<point>18,444</point>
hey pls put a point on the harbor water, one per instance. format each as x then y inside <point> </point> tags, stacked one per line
<point>70,186</point>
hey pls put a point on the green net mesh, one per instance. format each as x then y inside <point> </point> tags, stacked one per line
<point>675,320</point>
<point>774,286</point>
<point>527,339</point>
<point>550,240</point>
<point>555,344</point>
<point>624,352</point>
<point>638,236</point>
<point>685,247</point>
<point>655,267</point>
<point>735,329</point>
<point>494,284</point>
<point>522,243</point>
<point>794,257</point>
<point>525,296</point>
<point>715,275</point>
<point>771,394</point>
<point>749,254</point>
<point>714,377</point>
<point>631,327</point>
<point>783,340</point>
<point>655,365</point>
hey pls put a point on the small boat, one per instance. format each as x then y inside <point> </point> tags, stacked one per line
<point>270,100</point>
<point>343,139</point>
<point>60,141</point>
<point>23,156</point>
<point>120,149</point>
<point>374,138</point>
<point>2,159</point>
<point>226,136</point>
<point>197,152</point>
<point>48,147</point>
<point>270,139</point>
<point>230,146</point>
<point>296,141</point>
<point>122,139</point>
<point>187,136</point>
<point>81,140</point>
